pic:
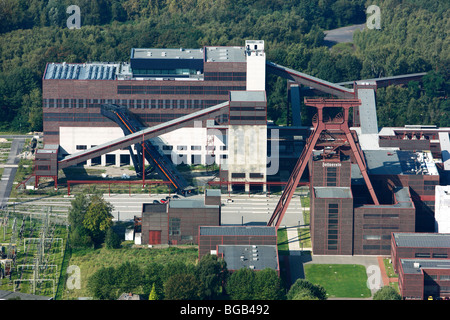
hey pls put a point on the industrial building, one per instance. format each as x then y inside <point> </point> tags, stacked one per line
<point>172,106</point>
<point>178,220</point>
<point>422,263</point>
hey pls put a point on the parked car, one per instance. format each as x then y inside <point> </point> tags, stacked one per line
<point>229,200</point>
<point>176,197</point>
<point>156,202</point>
<point>163,201</point>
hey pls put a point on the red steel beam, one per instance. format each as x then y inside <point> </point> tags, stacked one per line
<point>319,127</point>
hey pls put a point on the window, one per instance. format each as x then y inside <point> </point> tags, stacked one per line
<point>167,147</point>
<point>421,255</point>
<point>331,176</point>
<point>238,175</point>
<point>372,237</point>
<point>174,226</point>
<point>196,147</point>
<point>440,255</point>
<point>333,226</point>
<point>81,147</point>
<point>181,148</point>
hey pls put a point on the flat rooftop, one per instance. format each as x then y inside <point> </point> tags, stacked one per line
<point>423,240</point>
<point>209,54</point>
<point>158,53</point>
<point>397,162</point>
<point>190,203</point>
<point>247,96</point>
<point>225,54</point>
<point>332,192</point>
<point>237,231</point>
<point>82,71</point>
<point>256,257</point>
<point>415,266</point>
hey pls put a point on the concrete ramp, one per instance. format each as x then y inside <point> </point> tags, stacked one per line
<point>368,121</point>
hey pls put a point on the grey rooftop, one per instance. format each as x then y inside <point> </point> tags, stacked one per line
<point>256,257</point>
<point>423,240</point>
<point>415,266</point>
<point>158,53</point>
<point>81,71</point>
<point>332,192</point>
<point>237,231</point>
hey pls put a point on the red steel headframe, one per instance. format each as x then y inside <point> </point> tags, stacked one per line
<point>318,127</point>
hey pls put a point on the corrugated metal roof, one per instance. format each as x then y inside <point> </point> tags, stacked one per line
<point>237,231</point>
<point>425,240</point>
<point>189,203</point>
<point>77,71</point>
<point>415,266</point>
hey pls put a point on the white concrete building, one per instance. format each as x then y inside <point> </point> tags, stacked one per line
<point>442,209</point>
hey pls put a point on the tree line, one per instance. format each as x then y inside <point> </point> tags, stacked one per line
<point>413,38</point>
<point>209,279</point>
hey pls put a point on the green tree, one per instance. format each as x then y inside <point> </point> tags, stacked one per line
<point>128,277</point>
<point>268,285</point>
<point>211,274</point>
<point>79,237</point>
<point>181,287</point>
<point>98,218</point>
<point>305,290</point>
<point>152,278</point>
<point>112,239</point>
<point>433,83</point>
<point>78,209</point>
<point>102,284</point>
<point>240,284</point>
<point>153,295</point>
<point>387,293</point>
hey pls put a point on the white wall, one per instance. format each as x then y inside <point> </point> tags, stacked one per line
<point>70,137</point>
<point>442,209</point>
<point>256,65</point>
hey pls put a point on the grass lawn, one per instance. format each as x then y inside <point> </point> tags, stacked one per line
<point>283,245</point>
<point>339,280</point>
<point>89,261</point>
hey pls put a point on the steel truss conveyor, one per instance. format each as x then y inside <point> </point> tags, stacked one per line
<point>48,161</point>
<point>145,149</point>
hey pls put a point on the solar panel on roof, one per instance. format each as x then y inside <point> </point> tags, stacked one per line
<point>53,73</point>
<point>58,75</point>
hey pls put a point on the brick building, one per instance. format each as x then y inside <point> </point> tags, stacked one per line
<point>177,221</point>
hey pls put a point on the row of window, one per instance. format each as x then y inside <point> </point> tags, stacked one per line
<point>241,175</point>
<point>225,76</point>
<point>132,103</point>
<point>180,90</point>
<point>167,147</point>
<point>333,226</point>
<point>97,117</point>
<point>428,255</point>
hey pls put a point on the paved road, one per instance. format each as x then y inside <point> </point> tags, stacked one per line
<point>257,210</point>
<point>10,169</point>
<point>342,35</point>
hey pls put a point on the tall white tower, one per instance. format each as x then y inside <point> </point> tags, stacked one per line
<point>256,65</point>
<point>442,209</point>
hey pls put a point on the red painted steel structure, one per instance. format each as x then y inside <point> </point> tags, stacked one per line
<point>320,124</point>
<point>109,182</point>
